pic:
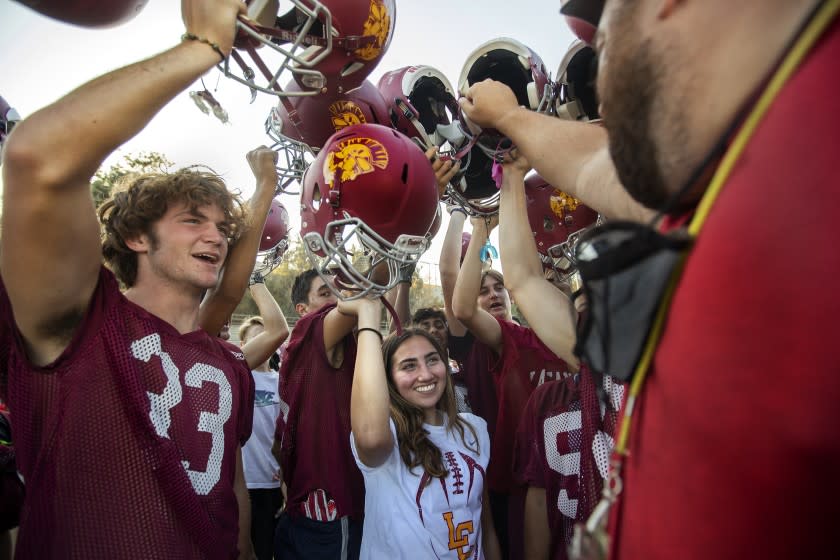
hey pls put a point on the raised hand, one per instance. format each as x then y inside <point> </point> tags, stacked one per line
<point>213,20</point>
<point>488,103</point>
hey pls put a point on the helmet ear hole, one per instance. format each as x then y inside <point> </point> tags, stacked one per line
<point>351,67</point>
<point>316,197</point>
<point>404,176</point>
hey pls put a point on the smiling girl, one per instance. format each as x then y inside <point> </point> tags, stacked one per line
<point>424,464</point>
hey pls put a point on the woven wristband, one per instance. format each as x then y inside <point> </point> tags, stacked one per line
<point>193,37</point>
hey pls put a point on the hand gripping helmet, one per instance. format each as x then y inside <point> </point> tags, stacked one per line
<point>8,119</point>
<point>515,65</point>
<point>557,221</point>
<point>577,99</point>
<point>329,46</point>
<point>419,100</point>
<point>275,239</point>
<point>299,126</point>
<point>475,191</point>
<point>582,17</point>
<point>88,13</point>
<point>367,202</point>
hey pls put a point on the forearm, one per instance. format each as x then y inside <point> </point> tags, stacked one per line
<point>492,550</point>
<point>274,322</point>
<point>517,248</point>
<point>398,297</point>
<point>370,402</point>
<point>468,284</point>
<point>260,348</point>
<point>222,300</point>
<point>574,157</point>
<point>537,532</point>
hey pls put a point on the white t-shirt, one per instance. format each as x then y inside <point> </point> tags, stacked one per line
<point>257,461</point>
<point>407,518</point>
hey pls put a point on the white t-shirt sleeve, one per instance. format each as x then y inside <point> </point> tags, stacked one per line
<point>393,456</point>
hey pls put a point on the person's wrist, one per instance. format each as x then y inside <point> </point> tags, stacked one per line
<point>453,209</point>
<point>188,36</point>
<point>505,121</point>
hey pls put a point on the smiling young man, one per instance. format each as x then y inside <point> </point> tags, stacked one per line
<point>128,418</point>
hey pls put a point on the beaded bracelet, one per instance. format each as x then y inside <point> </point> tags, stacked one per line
<point>193,37</point>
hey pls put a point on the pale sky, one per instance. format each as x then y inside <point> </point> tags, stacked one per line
<point>42,59</point>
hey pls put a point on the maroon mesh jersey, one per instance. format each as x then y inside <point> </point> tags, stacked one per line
<point>128,440</point>
<point>315,433</point>
<point>563,445</point>
<point>526,363</point>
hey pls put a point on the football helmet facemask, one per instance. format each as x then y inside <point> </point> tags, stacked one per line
<point>328,46</point>
<point>299,126</point>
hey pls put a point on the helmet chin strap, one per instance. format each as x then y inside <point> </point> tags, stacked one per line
<point>393,313</point>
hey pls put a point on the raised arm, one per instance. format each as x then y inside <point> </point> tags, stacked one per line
<point>275,329</point>
<point>449,265</point>
<point>398,297</point>
<point>219,303</point>
<point>370,405</point>
<point>548,311</point>
<point>465,299</point>
<point>50,242</point>
<point>570,155</point>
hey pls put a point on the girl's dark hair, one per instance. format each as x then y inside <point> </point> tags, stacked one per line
<point>415,447</point>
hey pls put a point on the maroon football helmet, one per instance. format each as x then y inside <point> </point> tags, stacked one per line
<point>582,17</point>
<point>515,65</point>
<point>419,100</point>
<point>299,126</point>
<point>328,46</point>
<point>8,119</point>
<point>576,98</point>
<point>557,221</point>
<point>88,13</point>
<point>367,203</point>
<point>275,239</point>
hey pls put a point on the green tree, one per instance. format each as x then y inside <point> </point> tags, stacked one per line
<point>144,162</point>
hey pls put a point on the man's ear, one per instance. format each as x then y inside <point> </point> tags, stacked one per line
<point>139,244</point>
<point>301,309</point>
